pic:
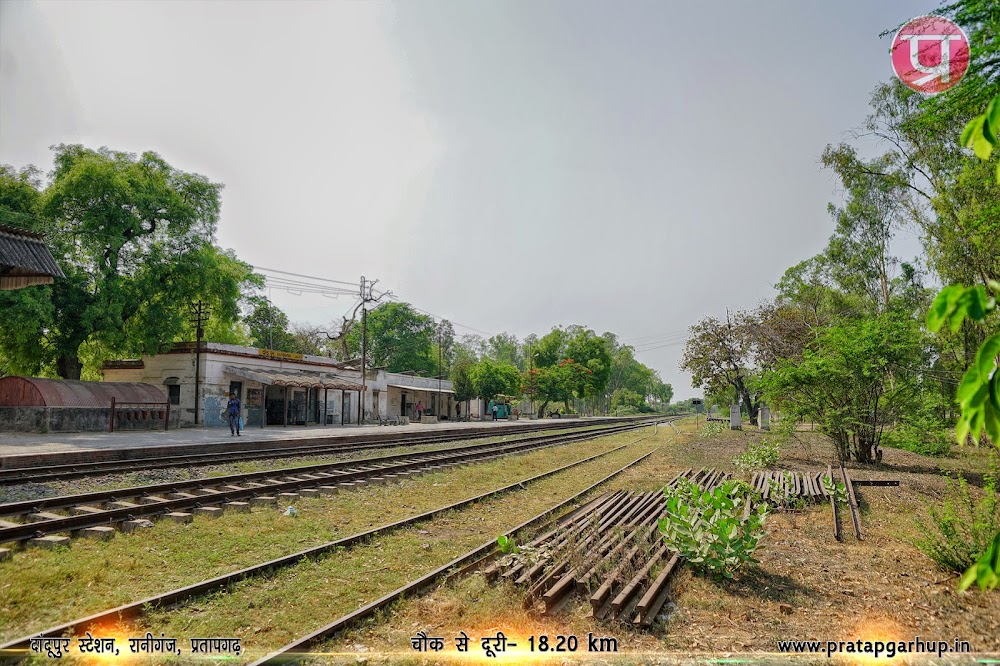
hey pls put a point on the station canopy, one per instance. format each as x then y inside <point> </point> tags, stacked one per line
<point>24,259</point>
<point>299,378</point>
<point>419,388</point>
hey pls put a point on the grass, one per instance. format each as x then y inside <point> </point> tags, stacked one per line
<point>93,576</point>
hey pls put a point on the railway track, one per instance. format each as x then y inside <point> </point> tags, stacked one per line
<point>18,648</point>
<point>75,470</point>
<point>96,514</point>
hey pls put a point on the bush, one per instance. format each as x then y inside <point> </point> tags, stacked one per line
<point>927,439</point>
<point>757,456</point>
<point>707,528</point>
<point>712,429</point>
<point>962,527</point>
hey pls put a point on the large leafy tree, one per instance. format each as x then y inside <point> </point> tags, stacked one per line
<point>268,325</point>
<point>400,339</point>
<point>719,356</point>
<point>134,237</point>
<point>505,348</point>
<point>491,378</point>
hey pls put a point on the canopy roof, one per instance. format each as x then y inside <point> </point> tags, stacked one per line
<point>279,377</point>
<point>38,392</point>
<point>24,259</point>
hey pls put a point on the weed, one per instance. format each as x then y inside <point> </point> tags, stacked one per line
<point>712,429</point>
<point>961,528</point>
<point>707,528</point>
<point>757,456</point>
<point>838,490</point>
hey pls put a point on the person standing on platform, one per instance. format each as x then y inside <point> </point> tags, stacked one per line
<point>494,411</point>
<point>420,409</point>
<point>233,412</point>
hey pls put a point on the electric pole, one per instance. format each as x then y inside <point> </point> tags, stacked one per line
<point>367,296</point>
<point>199,317</point>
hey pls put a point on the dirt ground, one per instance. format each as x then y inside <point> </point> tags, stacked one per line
<point>807,586</point>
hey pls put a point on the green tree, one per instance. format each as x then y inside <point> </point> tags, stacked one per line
<point>859,376</point>
<point>491,378</point>
<point>134,237</point>
<point>719,356</point>
<point>400,339</point>
<point>268,325</point>
<point>505,348</point>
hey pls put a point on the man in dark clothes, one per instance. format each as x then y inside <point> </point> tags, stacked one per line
<point>233,412</point>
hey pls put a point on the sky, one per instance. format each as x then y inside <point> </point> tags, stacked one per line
<point>627,166</point>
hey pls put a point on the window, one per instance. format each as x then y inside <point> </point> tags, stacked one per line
<point>174,394</point>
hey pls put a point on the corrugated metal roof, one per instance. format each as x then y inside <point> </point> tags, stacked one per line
<point>293,378</point>
<point>38,392</point>
<point>24,259</point>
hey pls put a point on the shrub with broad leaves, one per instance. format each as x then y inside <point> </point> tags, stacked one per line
<point>708,527</point>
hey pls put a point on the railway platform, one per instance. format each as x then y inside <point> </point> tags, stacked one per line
<point>14,444</point>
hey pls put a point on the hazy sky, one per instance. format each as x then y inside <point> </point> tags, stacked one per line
<point>630,166</point>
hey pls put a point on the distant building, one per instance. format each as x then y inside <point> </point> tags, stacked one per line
<point>24,259</point>
<point>278,388</point>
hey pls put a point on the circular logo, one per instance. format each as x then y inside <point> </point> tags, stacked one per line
<point>930,54</point>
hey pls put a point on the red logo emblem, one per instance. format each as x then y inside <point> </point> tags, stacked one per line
<point>930,54</point>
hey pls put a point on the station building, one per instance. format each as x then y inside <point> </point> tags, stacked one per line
<point>280,388</point>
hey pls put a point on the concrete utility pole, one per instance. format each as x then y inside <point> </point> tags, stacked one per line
<point>199,317</point>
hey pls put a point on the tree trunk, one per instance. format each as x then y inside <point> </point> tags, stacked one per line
<point>541,409</point>
<point>68,367</point>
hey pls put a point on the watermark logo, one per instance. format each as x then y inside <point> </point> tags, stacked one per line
<point>930,54</point>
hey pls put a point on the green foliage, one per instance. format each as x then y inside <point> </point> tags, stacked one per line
<point>759,455</point>
<point>400,339</point>
<point>962,527</point>
<point>134,237</point>
<point>507,545</point>
<point>712,429</point>
<point>978,394</point>
<point>707,528</point>
<point>853,380</point>
<point>462,380</point>
<point>980,134</point>
<point>837,490</point>
<point>785,502</point>
<point>922,435</point>
<point>625,399</point>
<point>719,356</point>
<point>491,379</point>
<point>268,326</point>
<point>984,572</point>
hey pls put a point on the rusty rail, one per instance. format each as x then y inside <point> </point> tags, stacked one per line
<point>610,552</point>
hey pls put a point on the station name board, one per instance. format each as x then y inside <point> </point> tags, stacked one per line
<point>279,355</point>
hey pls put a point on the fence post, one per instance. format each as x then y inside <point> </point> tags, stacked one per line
<point>111,421</point>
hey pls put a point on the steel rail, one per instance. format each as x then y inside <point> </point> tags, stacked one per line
<point>293,650</point>
<point>18,647</point>
<point>21,532</point>
<point>62,501</point>
<point>20,475</point>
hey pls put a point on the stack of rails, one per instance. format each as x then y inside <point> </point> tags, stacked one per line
<point>611,551</point>
<point>784,485</point>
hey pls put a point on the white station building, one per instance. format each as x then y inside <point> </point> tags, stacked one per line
<point>281,389</point>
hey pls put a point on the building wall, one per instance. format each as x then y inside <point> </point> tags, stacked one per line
<point>379,399</point>
<point>215,381</point>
